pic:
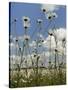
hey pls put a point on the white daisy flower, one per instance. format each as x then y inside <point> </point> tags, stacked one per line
<point>26,22</point>
<point>26,37</point>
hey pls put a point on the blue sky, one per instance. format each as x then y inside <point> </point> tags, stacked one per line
<point>33,11</point>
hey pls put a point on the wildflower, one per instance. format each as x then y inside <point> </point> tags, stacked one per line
<point>42,40</point>
<point>15,19</point>
<point>20,48</point>
<point>35,55</point>
<point>50,33</point>
<point>51,15</point>
<point>26,37</point>
<point>56,50</point>
<point>39,21</point>
<point>43,8</point>
<point>26,22</point>
<point>16,40</point>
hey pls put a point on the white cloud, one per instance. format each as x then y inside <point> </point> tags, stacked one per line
<point>14,39</point>
<point>11,44</point>
<point>46,42</point>
<point>32,44</point>
<point>60,35</point>
<point>40,35</point>
<point>20,38</point>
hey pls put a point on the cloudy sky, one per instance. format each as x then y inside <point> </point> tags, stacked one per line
<point>34,12</point>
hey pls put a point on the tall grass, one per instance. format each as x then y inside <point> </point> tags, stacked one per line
<point>43,77</point>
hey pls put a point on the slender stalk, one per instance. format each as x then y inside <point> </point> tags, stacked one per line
<point>50,54</point>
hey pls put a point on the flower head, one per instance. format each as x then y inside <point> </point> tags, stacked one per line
<point>50,32</point>
<point>39,21</point>
<point>26,37</point>
<point>51,15</point>
<point>26,22</point>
